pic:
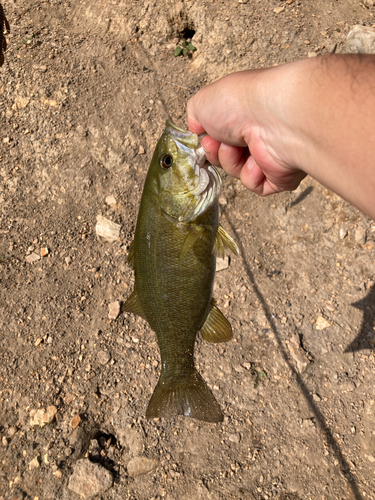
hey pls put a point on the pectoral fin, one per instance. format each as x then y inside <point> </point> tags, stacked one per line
<point>216,327</point>
<point>223,241</point>
<point>132,305</point>
<point>194,233</point>
<point>130,257</point>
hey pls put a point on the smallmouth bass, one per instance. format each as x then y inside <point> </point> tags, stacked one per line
<point>173,256</point>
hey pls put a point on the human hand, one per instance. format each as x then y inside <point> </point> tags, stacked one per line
<point>245,131</point>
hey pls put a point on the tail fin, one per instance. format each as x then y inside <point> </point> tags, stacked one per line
<point>189,397</point>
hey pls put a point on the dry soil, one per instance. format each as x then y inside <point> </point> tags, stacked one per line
<point>84,95</point>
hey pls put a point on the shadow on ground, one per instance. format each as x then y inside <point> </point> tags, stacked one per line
<point>366,305</point>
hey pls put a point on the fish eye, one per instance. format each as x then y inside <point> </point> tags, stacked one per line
<point>166,161</point>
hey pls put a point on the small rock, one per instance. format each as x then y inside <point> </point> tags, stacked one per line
<point>81,131</point>
<point>68,451</point>
<point>33,257</point>
<point>42,417</point>
<point>68,260</point>
<point>12,431</point>
<point>278,10</point>
<point>44,251</point>
<point>38,342</point>
<point>78,440</point>
<point>141,150</point>
<point>20,102</point>
<point>132,440</point>
<point>57,473</point>
<point>222,201</point>
<point>114,309</point>
<point>34,464</point>
<point>103,357</point>
<point>361,40</point>
<point>110,200</point>
<point>222,263</point>
<point>331,46</point>
<point>4,441</point>
<point>89,479</point>
<point>141,465</point>
<point>322,323</point>
<point>243,1</point>
<point>347,386</point>
<point>307,42</point>
<point>343,233</point>
<point>369,3</point>
<point>299,357</point>
<point>312,54</point>
<point>76,420</point>
<point>234,438</point>
<point>360,235</point>
<point>106,229</point>
<point>317,398</point>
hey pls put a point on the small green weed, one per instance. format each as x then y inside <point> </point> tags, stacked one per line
<point>24,41</point>
<point>258,377</point>
<point>184,49</point>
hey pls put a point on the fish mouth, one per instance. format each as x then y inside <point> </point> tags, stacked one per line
<point>185,138</point>
<point>209,183</point>
<point>207,190</point>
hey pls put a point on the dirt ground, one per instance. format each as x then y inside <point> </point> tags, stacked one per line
<point>78,124</point>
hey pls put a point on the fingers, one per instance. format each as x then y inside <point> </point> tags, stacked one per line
<point>194,125</point>
<point>211,148</point>
<point>193,122</point>
<point>254,178</point>
<point>230,158</point>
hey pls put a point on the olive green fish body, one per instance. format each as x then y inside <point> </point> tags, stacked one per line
<point>174,293</point>
<point>174,264</point>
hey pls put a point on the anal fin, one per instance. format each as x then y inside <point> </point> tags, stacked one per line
<point>224,241</point>
<point>216,328</point>
<point>132,305</point>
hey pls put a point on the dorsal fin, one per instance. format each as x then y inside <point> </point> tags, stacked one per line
<point>132,305</point>
<point>223,241</point>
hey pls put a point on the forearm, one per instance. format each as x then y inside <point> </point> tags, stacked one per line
<point>323,111</point>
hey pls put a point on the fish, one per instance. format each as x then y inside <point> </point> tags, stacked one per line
<point>3,24</point>
<point>173,254</point>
